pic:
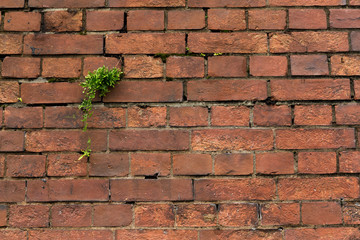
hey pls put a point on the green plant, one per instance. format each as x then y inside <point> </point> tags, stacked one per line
<point>218,54</point>
<point>99,81</point>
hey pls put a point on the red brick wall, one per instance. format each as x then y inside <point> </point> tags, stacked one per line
<point>236,119</point>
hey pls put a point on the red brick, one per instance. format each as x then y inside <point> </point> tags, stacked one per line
<point>349,162</point>
<point>66,4</point>
<point>71,215</point>
<point>149,140</point>
<point>70,140</point>
<point>309,65</point>
<point>196,215</point>
<point>231,139</point>
<point>307,19</point>
<point>237,215</point>
<point>109,164</point>
<point>321,213</point>
<point>227,66</point>
<point>12,4</point>
<point>106,117</point>
<point>12,191</point>
<point>150,164</point>
<point>149,3</point>
<point>344,233</point>
<point>275,163</point>
<point>145,43</point>
<point>267,115</point>
<point>30,67</point>
<point>127,234</point>
<point>347,114</point>
<point>46,44</point>
<point>154,215</point>
<point>54,190</point>
<point>143,67</point>
<point>61,67</point>
<point>185,67</point>
<point>63,117</point>
<point>141,91</point>
<point>29,216</point>
<point>306,3</point>
<point>240,234</point>
<point>13,234</point>
<point>112,215</point>
<point>188,19</point>
<point>28,117</point>
<point>70,234</point>
<point>226,3</point>
<point>226,19</point>
<point>233,164</point>
<point>230,116</point>
<point>93,63</point>
<point>355,41</point>
<point>66,165</point>
<point>219,42</point>
<point>188,116</point>
<point>267,19</point>
<point>192,164</point>
<point>60,92</point>
<point>3,216</point>
<point>146,117</point>
<point>309,42</point>
<point>63,21</point>
<point>356,88</point>
<point>280,214</point>
<point>151,190</point>
<point>268,65</point>
<point>234,189</point>
<point>351,212</point>
<point>299,138</point>
<point>313,115</point>
<point>25,165</point>
<point>22,21</point>
<point>342,65</point>
<point>317,162</point>
<point>104,20</point>
<point>9,91</point>
<point>310,89</point>
<point>354,2</point>
<point>145,20</point>
<point>11,141</point>
<point>226,90</point>
<point>11,43</point>
<point>2,165</point>
<point>318,188</point>
<point>344,18</point>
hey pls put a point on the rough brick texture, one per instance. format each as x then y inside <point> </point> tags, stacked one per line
<point>235,119</point>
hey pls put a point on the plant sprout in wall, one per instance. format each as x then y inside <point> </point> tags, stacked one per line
<point>99,81</point>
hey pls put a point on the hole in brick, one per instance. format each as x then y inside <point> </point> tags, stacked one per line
<point>155,176</point>
<point>270,101</point>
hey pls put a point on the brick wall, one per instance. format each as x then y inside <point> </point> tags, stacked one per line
<point>236,119</point>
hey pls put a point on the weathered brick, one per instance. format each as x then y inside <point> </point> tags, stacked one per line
<point>149,164</point>
<point>324,188</point>
<point>45,44</point>
<point>310,89</point>
<point>11,43</point>
<point>70,234</point>
<point>9,91</point>
<point>143,67</point>
<point>93,63</point>
<point>12,191</point>
<point>66,165</point>
<point>233,164</point>
<point>63,117</point>
<point>104,215</point>
<point>227,66</point>
<point>351,212</point>
<point>230,116</point>
<point>151,190</point>
<point>307,19</point>
<point>219,42</point>
<point>110,164</point>
<point>240,234</point>
<point>347,114</point>
<point>321,213</point>
<point>354,2</point>
<point>309,42</point>
<point>71,215</point>
<point>66,4</point>
<point>343,65</point>
<point>306,3</point>
<point>63,21</point>
<point>145,43</point>
<point>355,40</point>
<point>344,18</point>
<point>231,139</point>
<point>104,20</point>
<point>192,164</point>
<point>267,19</point>
<point>149,3</point>
<point>280,214</point>
<point>185,67</point>
<point>28,117</point>
<point>30,67</point>
<point>145,20</point>
<point>2,165</point>
<point>317,162</point>
<point>267,115</point>
<point>226,90</point>
<point>107,117</point>
<point>226,19</point>
<point>349,162</point>
<point>127,234</point>
<point>12,4</point>
<point>237,215</point>
<point>154,215</point>
<point>3,216</point>
<point>268,66</point>
<point>22,21</point>
<point>356,88</point>
<point>234,189</point>
<point>275,163</point>
<point>11,141</point>
<point>196,215</point>
<point>61,67</point>
<point>188,19</point>
<point>226,3</point>
<point>25,165</point>
<point>54,190</point>
<point>309,65</point>
<point>29,216</point>
<point>188,116</point>
<point>146,117</point>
